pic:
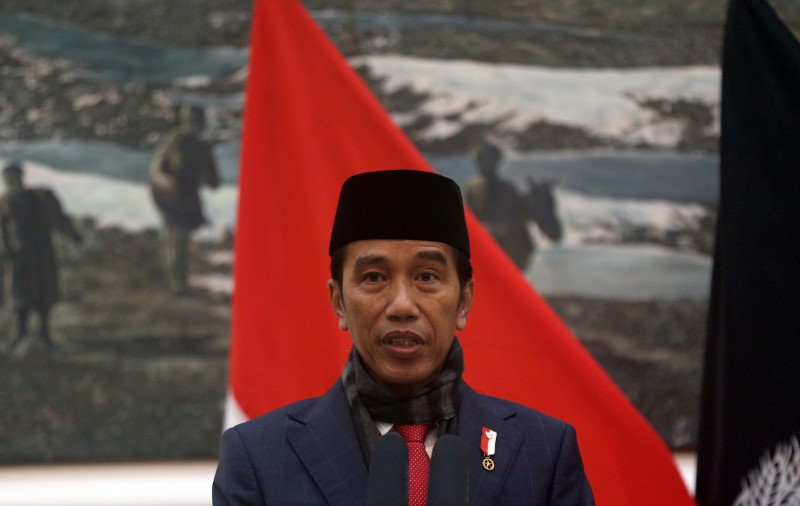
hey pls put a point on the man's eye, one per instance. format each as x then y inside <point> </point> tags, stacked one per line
<point>427,276</point>
<point>372,277</point>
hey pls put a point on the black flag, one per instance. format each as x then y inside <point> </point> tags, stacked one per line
<point>750,415</point>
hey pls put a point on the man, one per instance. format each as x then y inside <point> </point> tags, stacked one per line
<point>28,217</point>
<point>181,165</point>
<point>505,212</point>
<point>401,286</point>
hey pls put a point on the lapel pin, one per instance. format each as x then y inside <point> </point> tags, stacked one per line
<point>488,438</point>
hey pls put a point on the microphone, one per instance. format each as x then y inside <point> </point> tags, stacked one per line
<point>448,484</point>
<point>388,473</point>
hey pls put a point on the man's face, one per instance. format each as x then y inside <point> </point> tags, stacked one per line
<point>402,303</point>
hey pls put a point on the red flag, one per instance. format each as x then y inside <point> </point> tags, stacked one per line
<point>310,123</point>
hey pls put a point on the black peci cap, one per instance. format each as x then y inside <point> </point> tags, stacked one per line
<point>400,204</point>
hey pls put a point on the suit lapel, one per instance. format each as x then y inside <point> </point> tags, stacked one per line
<point>327,444</point>
<point>474,414</point>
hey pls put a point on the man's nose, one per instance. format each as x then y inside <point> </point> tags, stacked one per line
<point>402,303</point>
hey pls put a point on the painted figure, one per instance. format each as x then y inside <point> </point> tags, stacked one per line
<point>183,163</point>
<point>28,218</point>
<point>505,212</point>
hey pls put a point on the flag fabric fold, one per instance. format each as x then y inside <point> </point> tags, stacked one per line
<point>751,390</point>
<point>310,122</point>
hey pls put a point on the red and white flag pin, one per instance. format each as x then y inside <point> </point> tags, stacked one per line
<point>488,438</point>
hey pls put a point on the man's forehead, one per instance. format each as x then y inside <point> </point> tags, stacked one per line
<point>383,250</point>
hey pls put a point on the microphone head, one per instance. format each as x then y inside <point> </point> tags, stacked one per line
<point>388,472</point>
<point>448,484</point>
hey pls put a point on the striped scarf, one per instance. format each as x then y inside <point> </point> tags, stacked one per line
<point>435,403</point>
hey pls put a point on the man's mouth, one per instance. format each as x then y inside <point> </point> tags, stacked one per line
<point>402,339</point>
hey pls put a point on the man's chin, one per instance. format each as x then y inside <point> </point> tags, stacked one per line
<point>404,382</point>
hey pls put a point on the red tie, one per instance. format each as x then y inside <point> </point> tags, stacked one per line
<point>419,464</point>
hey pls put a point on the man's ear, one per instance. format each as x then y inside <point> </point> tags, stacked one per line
<point>335,294</point>
<point>465,304</point>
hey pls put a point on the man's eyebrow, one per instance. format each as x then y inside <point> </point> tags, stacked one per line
<point>369,261</point>
<point>433,255</point>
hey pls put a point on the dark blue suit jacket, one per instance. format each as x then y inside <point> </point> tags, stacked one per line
<point>308,453</point>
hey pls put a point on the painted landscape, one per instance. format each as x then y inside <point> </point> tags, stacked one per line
<point>614,103</point>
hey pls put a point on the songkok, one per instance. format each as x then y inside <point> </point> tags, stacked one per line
<point>400,204</point>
